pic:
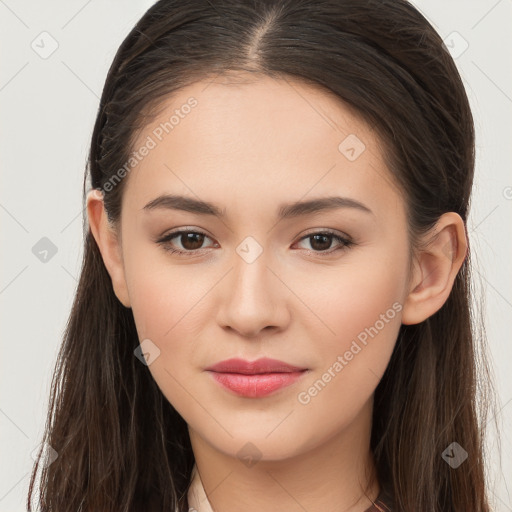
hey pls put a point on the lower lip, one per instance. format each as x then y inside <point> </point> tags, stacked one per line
<point>256,385</point>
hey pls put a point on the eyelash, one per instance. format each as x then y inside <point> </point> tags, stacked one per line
<point>345,243</point>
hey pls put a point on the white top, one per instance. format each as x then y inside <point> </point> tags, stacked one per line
<point>197,499</point>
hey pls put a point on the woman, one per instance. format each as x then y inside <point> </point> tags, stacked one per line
<point>273,311</point>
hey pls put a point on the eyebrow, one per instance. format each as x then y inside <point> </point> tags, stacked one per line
<point>286,211</point>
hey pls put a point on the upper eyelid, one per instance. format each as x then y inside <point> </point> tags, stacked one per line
<point>312,231</point>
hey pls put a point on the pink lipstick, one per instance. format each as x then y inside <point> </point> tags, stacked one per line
<point>254,379</point>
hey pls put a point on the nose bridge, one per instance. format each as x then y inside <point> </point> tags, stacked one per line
<point>251,300</point>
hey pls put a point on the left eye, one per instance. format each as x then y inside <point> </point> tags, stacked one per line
<point>321,240</point>
<point>192,241</point>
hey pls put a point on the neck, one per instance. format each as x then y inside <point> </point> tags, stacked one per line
<point>336,475</point>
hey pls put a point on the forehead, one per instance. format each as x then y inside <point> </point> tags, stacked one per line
<point>279,137</point>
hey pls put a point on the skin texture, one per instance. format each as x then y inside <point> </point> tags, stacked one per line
<point>249,148</point>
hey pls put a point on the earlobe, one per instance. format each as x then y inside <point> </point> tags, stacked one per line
<point>435,268</point>
<point>108,244</point>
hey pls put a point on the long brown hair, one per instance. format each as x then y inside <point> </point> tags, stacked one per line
<point>121,445</point>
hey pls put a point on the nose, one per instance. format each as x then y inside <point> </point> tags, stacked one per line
<point>253,299</point>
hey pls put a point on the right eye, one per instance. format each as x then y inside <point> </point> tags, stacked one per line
<point>190,241</point>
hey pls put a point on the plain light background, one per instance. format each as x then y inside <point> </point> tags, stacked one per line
<point>49,103</point>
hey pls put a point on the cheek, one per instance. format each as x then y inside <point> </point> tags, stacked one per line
<point>345,300</point>
<point>163,295</point>
<point>168,305</point>
<point>355,327</point>
<point>364,300</point>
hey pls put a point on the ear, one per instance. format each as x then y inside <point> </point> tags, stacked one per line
<point>435,267</point>
<point>108,243</point>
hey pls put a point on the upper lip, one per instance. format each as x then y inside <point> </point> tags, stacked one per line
<point>263,365</point>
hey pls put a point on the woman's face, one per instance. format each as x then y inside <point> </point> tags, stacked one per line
<point>256,283</point>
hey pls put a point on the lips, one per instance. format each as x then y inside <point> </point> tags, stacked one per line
<point>263,365</point>
<point>255,379</point>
